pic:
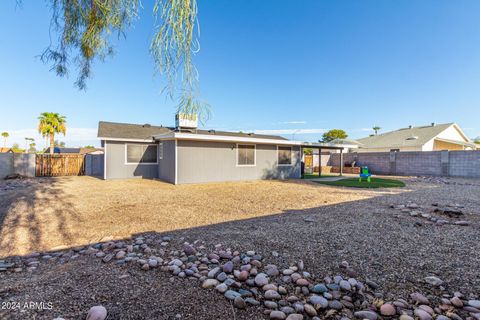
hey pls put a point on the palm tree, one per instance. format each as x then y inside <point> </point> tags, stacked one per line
<point>376,129</point>
<point>27,142</point>
<point>5,135</point>
<point>50,124</point>
<point>32,147</point>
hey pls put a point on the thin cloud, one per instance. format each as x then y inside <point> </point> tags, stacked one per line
<point>290,131</point>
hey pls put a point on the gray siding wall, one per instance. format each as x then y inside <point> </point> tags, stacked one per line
<point>166,166</point>
<point>116,167</point>
<point>201,161</point>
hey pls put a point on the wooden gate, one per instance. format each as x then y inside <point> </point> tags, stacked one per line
<point>54,165</point>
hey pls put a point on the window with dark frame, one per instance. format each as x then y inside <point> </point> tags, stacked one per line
<point>284,155</point>
<point>141,153</point>
<point>245,155</point>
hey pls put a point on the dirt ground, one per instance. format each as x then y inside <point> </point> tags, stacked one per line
<point>300,220</point>
<point>44,214</point>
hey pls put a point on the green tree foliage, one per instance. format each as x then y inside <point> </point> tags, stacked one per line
<point>60,144</point>
<point>51,123</point>
<point>308,151</point>
<point>5,136</point>
<point>32,147</point>
<point>16,148</point>
<point>334,134</point>
<point>28,141</point>
<point>376,129</point>
<point>85,30</point>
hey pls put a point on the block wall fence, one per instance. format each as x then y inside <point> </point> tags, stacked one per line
<point>416,163</point>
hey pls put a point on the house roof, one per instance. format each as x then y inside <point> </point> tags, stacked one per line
<point>5,150</point>
<point>130,131</point>
<point>347,142</point>
<point>465,144</point>
<point>406,137</point>
<point>72,150</point>
<point>63,150</point>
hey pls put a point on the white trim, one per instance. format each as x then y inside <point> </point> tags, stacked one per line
<point>127,140</point>
<point>291,157</point>
<point>460,131</point>
<point>105,160</point>
<point>160,147</point>
<point>254,155</point>
<point>176,163</point>
<point>206,137</point>
<point>141,163</point>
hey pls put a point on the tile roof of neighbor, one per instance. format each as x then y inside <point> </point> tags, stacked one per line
<point>138,131</point>
<point>406,137</point>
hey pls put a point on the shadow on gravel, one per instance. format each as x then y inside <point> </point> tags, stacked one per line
<point>382,244</point>
<point>19,220</point>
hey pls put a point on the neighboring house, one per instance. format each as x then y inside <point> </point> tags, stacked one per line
<point>434,137</point>
<point>6,150</point>
<point>75,150</point>
<point>185,154</point>
<point>348,145</point>
<point>91,150</point>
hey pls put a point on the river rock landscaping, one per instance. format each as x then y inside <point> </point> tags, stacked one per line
<point>246,279</point>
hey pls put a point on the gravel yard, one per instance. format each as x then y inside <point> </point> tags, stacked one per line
<point>394,237</point>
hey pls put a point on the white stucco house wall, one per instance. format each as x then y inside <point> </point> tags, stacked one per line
<point>433,137</point>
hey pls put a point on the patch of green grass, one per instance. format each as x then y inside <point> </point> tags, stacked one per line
<point>374,183</point>
<point>315,176</point>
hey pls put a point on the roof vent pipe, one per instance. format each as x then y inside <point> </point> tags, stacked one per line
<point>410,127</point>
<point>433,124</point>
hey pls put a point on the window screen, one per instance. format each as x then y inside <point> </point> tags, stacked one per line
<point>141,153</point>
<point>284,155</point>
<point>246,155</point>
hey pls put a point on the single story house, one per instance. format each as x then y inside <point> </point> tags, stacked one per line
<point>348,145</point>
<point>434,137</point>
<point>185,154</point>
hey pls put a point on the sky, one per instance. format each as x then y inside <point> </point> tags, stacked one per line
<point>294,68</point>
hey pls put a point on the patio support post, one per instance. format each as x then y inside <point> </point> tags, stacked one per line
<point>302,163</point>
<point>341,162</point>
<point>319,162</point>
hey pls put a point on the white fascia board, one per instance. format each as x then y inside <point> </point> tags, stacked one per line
<point>205,137</point>
<point>128,140</point>
<point>456,126</point>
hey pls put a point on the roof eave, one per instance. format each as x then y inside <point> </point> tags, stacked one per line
<point>220,138</point>
<point>125,139</point>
